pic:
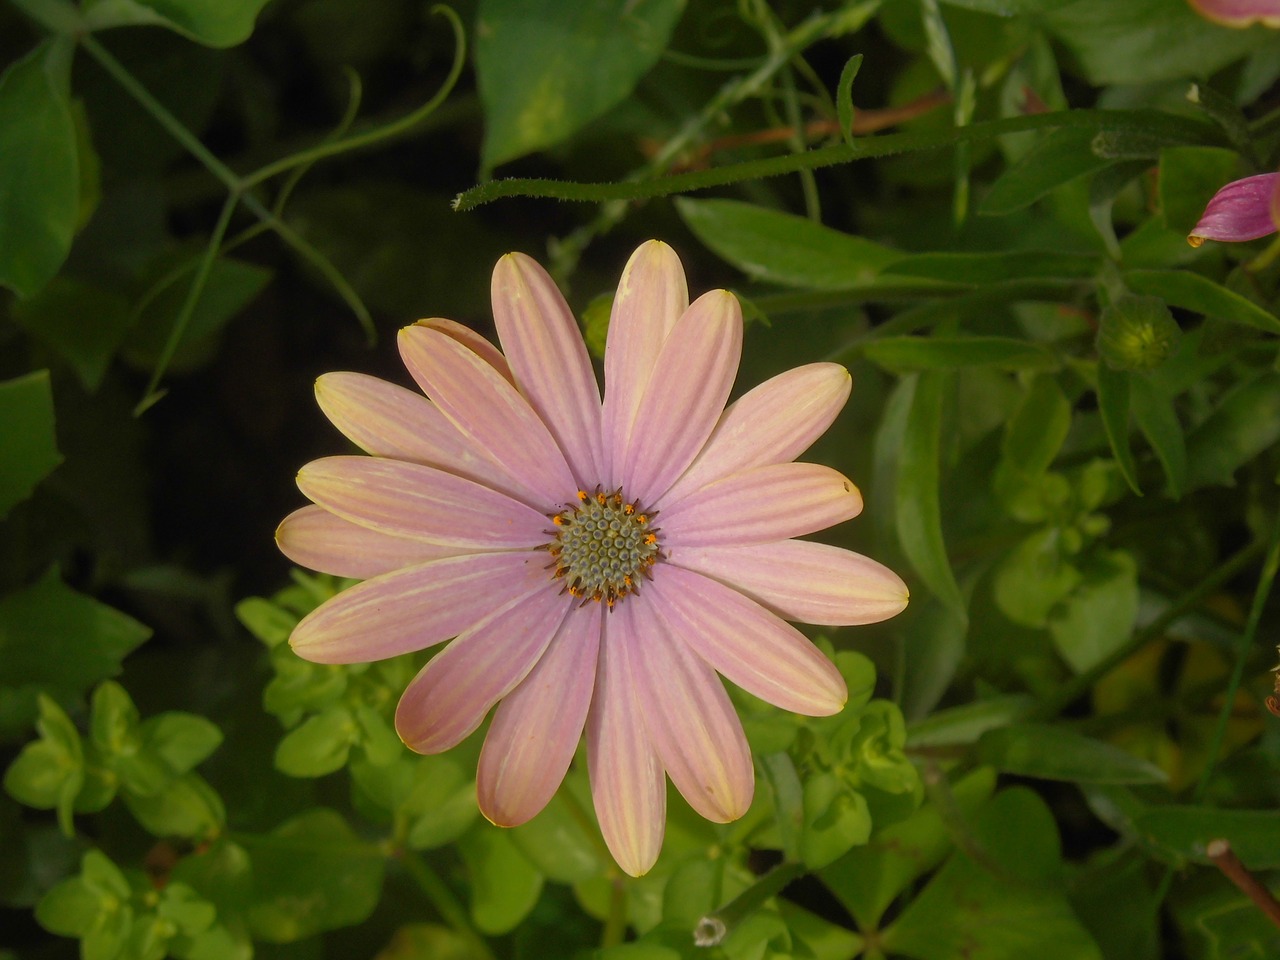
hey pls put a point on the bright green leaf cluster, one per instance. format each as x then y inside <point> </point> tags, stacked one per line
<point>118,916</point>
<point>148,762</point>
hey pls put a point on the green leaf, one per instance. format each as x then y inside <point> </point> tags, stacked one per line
<point>442,803</point>
<point>184,807</point>
<point>268,622</point>
<point>965,723</point>
<point>114,721</point>
<point>836,818</point>
<point>1005,908</point>
<point>504,885</point>
<point>70,909</point>
<point>784,248</point>
<point>39,171</point>
<point>1056,753</point>
<point>936,636</point>
<point>231,286</point>
<point>1098,618</point>
<point>595,323</point>
<point>1191,291</point>
<point>917,502</point>
<point>817,938</point>
<point>1034,578</point>
<point>180,905</point>
<point>52,638</point>
<point>82,323</point>
<point>1180,833</point>
<point>975,269</point>
<point>694,890</point>
<point>545,69</point>
<point>215,23</point>
<point>1038,427</point>
<point>558,845</point>
<point>1245,423</point>
<point>901,354</point>
<point>50,773</point>
<point>320,745</point>
<point>181,740</point>
<point>1113,404</point>
<point>870,877</point>
<point>30,445</point>
<point>1059,157</point>
<point>1221,923</point>
<point>1141,41</point>
<point>311,874</point>
<point>1189,177</point>
<point>1113,894</point>
<point>1153,409</point>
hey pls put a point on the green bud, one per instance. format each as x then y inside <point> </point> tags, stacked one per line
<point>1137,333</point>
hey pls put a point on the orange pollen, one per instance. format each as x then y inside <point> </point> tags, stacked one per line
<point>600,545</point>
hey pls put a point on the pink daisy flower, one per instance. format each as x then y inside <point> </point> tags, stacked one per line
<point>595,565</point>
<point>1239,13</point>
<point>1242,210</point>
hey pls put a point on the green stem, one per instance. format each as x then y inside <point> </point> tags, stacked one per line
<point>161,114</point>
<point>714,927</point>
<point>1145,121</point>
<point>57,16</point>
<point>1265,581</point>
<point>1052,706</point>
<point>568,250</point>
<point>183,319</point>
<point>615,924</point>
<point>361,140</point>
<point>442,898</point>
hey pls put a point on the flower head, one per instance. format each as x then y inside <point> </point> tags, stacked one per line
<point>1242,210</point>
<point>1239,13</point>
<point>595,564</point>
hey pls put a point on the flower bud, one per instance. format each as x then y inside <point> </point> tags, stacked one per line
<point>1137,333</point>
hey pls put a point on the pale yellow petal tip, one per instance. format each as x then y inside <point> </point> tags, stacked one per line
<point>637,868</point>
<point>1194,241</point>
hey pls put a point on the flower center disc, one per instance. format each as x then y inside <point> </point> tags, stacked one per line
<point>602,547</point>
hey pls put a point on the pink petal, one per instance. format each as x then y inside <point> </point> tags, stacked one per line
<point>313,537</point>
<point>550,361</point>
<point>804,581</point>
<point>451,695</point>
<point>536,728</point>
<point>628,787</point>
<point>773,423</point>
<point>652,296</point>
<point>761,653</point>
<point>695,730</point>
<point>473,341</point>
<point>1239,211</point>
<point>416,607</point>
<point>390,421</point>
<point>691,380</point>
<point>1239,13</point>
<point>422,503</point>
<point>490,411</point>
<point>760,505</point>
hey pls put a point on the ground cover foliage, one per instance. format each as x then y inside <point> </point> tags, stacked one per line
<point>1064,422</point>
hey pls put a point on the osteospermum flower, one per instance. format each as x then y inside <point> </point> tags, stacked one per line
<point>1239,13</point>
<point>597,564</point>
<point>1242,210</point>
